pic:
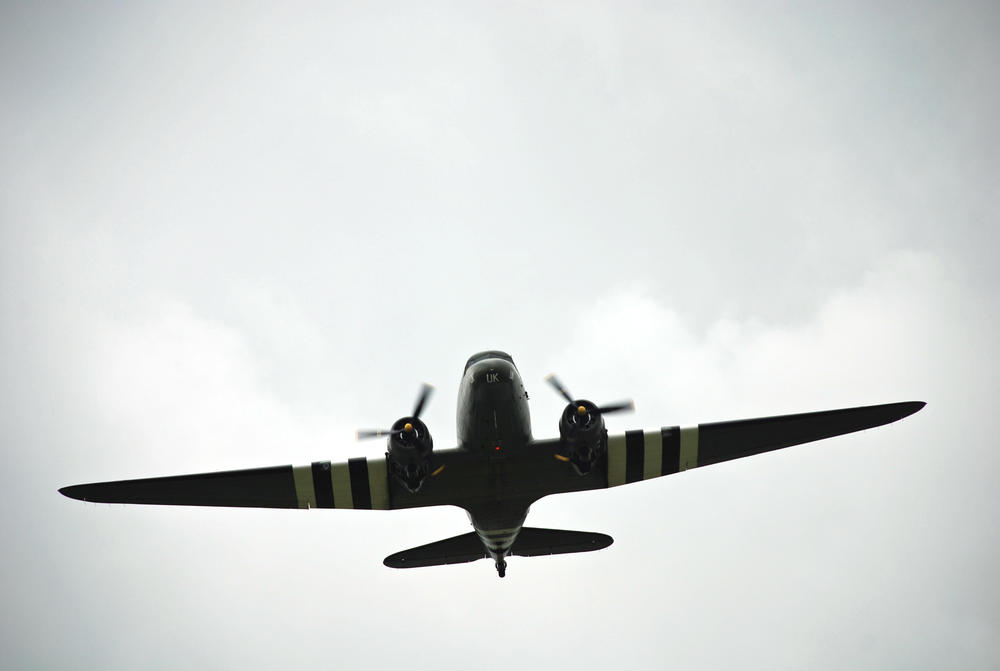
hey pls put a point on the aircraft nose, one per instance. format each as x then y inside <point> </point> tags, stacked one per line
<point>492,374</point>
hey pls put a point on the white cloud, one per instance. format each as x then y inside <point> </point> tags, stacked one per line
<point>191,390</point>
<point>857,345</point>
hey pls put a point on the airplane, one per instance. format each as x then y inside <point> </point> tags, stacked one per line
<point>498,469</point>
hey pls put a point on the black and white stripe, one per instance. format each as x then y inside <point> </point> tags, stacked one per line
<point>498,541</point>
<point>358,483</point>
<point>640,455</point>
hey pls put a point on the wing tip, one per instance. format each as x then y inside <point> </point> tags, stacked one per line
<point>911,407</point>
<point>395,561</point>
<point>73,492</point>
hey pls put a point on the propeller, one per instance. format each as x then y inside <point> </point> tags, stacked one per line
<point>408,427</point>
<point>583,437</point>
<point>582,406</point>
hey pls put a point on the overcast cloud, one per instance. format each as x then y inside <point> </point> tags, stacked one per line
<point>232,234</point>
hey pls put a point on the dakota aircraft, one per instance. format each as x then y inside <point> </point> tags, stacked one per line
<point>498,470</point>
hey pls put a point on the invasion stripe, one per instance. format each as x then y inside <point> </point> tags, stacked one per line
<point>304,492</point>
<point>635,452</point>
<point>358,468</point>
<point>494,532</point>
<point>378,483</point>
<point>498,540</point>
<point>689,448</point>
<point>343,497</point>
<point>652,462</point>
<point>616,460</point>
<point>640,455</point>
<point>671,439</point>
<point>322,484</point>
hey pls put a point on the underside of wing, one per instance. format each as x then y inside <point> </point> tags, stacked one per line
<point>640,455</point>
<point>256,487</point>
<point>722,441</point>
<point>357,483</point>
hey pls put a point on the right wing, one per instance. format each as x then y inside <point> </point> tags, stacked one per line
<point>640,455</point>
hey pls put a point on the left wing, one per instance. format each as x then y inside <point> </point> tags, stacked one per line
<point>357,483</point>
<point>640,455</point>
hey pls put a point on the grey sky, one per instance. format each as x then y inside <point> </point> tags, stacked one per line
<point>231,235</point>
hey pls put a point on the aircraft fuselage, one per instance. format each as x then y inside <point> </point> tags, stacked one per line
<point>494,420</point>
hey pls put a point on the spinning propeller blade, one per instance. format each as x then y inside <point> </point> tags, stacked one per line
<point>363,434</point>
<point>422,398</point>
<point>617,407</point>
<point>425,393</point>
<point>554,381</point>
<point>604,409</point>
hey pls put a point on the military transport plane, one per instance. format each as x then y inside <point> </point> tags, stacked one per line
<point>498,470</point>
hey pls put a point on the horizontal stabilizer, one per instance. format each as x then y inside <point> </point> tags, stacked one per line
<point>467,547</point>
<point>536,542</point>
<point>456,550</point>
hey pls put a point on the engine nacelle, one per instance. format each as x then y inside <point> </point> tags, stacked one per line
<point>583,437</point>
<point>409,452</point>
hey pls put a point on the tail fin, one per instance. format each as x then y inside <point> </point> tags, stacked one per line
<point>530,542</point>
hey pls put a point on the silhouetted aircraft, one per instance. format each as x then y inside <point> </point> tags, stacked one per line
<point>498,470</point>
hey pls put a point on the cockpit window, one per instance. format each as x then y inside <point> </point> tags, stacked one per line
<point>488,354</point>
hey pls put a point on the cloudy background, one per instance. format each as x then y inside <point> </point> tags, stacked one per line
<point>230,235</point>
